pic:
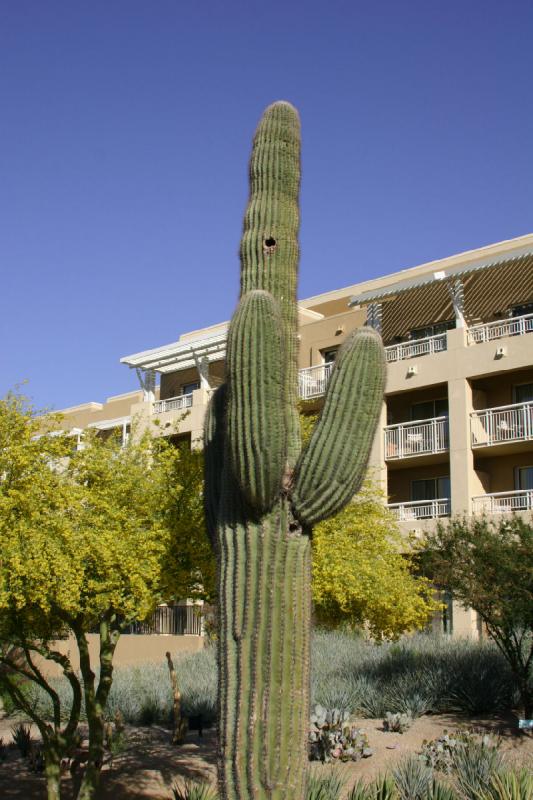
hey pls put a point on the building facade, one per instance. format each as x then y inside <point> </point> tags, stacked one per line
<point>456,430</point>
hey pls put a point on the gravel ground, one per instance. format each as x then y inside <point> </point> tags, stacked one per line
<point>150,764</point>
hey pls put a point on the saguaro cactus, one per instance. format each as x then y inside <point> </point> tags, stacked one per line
<point>263,495</point>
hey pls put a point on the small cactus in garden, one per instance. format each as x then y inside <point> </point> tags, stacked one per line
<point>263,493</point>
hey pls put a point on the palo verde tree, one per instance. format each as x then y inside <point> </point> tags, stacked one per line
<point>365,571</point>
<point>86,539</point>
<point>488,566</point>
<point>264,493</point>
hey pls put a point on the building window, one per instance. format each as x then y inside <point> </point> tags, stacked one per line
<point>430,489</point>
<point>523,479</point>
<point>522,310</point>
<point>329,356</point>
<point>430,409</point>
<point>447,612</point>
<point>523,393</point>
<point>431,330</point>
<point>189,388</point>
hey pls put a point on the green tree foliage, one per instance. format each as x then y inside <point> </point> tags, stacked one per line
<point>364,573</point>
<point>364,569</point>
<point>91,540</point>
<point>488,565</point>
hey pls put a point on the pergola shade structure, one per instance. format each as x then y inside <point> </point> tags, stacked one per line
<point>486,290</point>
<point>181,355</point>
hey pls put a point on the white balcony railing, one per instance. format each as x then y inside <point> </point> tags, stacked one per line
<point>421,509</point>
<point>502,424</point>
<point>417,347</point>
<point>416,438</point>
<point>173,404</point>
<point>312,381</point>
<point>514,326</point>
<point>503,502</point>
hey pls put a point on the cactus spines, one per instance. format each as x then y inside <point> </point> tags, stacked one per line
<point>256,429</point>
<point>262,495</point>
<point>332,467</point>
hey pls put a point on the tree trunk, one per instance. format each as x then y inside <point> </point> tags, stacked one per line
<point>52,771</point>
<point>95,702</point>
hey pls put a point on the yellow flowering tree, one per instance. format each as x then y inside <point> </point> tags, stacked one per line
<point>85,539</point>
<point>363,567</point>
<point>363,571</point>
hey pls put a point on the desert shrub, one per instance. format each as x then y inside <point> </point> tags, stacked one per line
<point>397,723</point>
<point>382,788</point>
<point>193,790</point>
<point>325,787</point>
<point>22,738</point>
<point>331,738</point>
<point>143,695</point>
<point>412,779</point>
<point>476,760</point>
<point>416,675</point>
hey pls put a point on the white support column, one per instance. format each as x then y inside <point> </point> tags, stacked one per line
<point>147,380</point>
<point>374,316</point>
<point>457,292</point>
<point>202,365</point>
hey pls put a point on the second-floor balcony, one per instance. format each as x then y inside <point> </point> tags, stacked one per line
<point>418,438</point>
<point>514,326</point>
<point>493,426</point>
<point>313,381</point>
<point>415,348</point>
<point>503,502</point>
<point>180,403</point>
<point>421,509</point>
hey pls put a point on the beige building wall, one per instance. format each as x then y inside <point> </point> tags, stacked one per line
<point>470,376</point>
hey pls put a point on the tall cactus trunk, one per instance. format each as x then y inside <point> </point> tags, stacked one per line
<point>262,495</point>
<point>264,658</point>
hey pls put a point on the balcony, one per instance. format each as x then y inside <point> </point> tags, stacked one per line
<point>418,347</point>
<point>312,381</point>
<point>492,426</point>
<point>503,502</point>
<point>418,438</point>
<point>421,509</point>
<point>179,403</point>
<point>515,326</point>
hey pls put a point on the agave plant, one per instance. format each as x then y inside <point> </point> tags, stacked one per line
<point>325,787</point>
<point>412,778</point>
<point>194,790</point>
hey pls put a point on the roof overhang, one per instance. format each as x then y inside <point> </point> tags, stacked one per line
<point>454,273</point>
<point>180,355</point>
<point>109,424</point>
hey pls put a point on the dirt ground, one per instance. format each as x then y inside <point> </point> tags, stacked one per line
<point>150,764</point>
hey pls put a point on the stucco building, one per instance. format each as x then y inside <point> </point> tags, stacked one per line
<point>456,430</point>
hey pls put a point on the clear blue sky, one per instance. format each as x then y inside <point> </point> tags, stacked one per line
<point>125,131</point>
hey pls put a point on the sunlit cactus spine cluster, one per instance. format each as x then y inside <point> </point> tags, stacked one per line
<point>264,493</point>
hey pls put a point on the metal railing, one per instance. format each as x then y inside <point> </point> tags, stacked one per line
<point>503,502</point>
<point>173,404</point>
<point>416,438</point>
<point>512,423</point>
<point>514,326</point>
<point>174,620</point>
<point>312,381</point>
<point>417,347</point>
<point>421,509</point>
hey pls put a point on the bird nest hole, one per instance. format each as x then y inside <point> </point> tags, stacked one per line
<point>269,245</point>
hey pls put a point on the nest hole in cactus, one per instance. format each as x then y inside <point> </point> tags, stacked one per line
<point>269,245</point>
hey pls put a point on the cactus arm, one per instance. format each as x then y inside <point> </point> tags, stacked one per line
<point>256,427</point>
<point>214,459</point>
<point>333,465</point>
<point>269,248</point>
